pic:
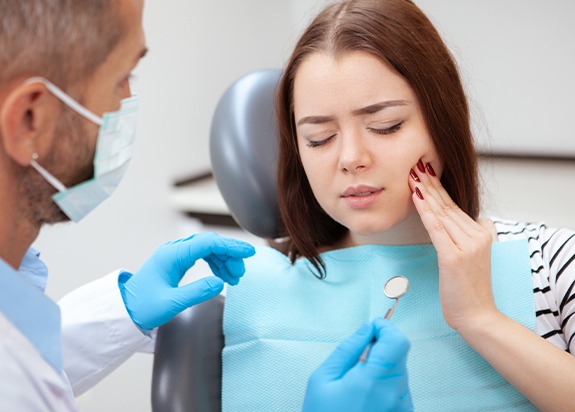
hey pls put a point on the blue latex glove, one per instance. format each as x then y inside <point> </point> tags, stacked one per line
<point>152,296</point>
<point>343,384</point>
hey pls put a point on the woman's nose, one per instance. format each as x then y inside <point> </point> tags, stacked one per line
<point>354,155</point>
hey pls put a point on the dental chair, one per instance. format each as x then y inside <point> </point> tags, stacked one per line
<point>187,369</point>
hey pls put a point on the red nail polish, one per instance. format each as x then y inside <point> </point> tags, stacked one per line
<point>413,175</point>
<point>420,166</point>
<point>430,169</point>
<point>418,193</point>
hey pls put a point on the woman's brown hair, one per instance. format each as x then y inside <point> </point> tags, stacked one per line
<point>396,31</point>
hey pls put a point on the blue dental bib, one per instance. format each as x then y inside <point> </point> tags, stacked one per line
<point>281,322</point>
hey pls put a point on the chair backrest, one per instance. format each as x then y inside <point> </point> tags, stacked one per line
<point>243,146</point>
<point>187,364</point>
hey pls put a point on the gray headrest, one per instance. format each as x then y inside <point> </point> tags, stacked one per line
<point>243,145</point>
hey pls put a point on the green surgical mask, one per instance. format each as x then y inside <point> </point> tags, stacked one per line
<point>113,153</point>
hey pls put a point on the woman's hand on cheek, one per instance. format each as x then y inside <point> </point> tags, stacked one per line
<point>463,251</point>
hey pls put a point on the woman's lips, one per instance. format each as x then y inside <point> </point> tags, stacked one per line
<point>361,197</point>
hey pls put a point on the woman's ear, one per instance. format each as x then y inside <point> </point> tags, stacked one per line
<point>28,117</point>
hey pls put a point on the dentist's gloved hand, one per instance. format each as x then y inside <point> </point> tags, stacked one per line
<point>343,384</point>
<point>152,296</point>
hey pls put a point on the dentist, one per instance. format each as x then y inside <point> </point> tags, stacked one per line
<point>67,124</point>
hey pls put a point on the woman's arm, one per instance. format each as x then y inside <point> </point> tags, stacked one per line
<point>541,371</point>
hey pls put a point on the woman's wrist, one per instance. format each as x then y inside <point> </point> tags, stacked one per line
<point>481,325</point>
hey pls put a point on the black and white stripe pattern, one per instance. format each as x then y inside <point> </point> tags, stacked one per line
<point>553,275</point>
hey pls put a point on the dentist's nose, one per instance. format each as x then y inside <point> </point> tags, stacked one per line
<point>354,155</point>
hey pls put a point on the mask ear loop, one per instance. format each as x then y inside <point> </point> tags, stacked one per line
<point>47,175</point>
<point>67,100</point>
<point>72,104</point>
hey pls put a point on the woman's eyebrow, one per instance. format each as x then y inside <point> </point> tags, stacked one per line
<point>315,120</point>
<point>374,108</point>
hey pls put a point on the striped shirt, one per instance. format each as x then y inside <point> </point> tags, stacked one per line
<point>553,275</point>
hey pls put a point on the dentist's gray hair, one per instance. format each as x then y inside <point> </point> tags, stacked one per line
<point>62,40</point>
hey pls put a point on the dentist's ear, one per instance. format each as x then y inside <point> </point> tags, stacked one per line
<point>28,117</point>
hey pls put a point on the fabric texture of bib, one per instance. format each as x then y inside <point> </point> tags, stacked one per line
<point>281,322</point>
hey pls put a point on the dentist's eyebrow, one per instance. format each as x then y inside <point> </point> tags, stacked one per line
<point>374,108</point>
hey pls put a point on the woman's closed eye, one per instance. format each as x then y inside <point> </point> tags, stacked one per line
<point>386,130</point>
<point>317,143</point>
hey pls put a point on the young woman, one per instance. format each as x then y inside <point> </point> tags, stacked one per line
<point>378,177</point>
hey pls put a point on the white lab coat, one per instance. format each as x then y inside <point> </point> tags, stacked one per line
<point>29,383</point>
<point>97,336</point>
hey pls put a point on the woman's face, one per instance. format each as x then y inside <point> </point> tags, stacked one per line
<point>360,130</point>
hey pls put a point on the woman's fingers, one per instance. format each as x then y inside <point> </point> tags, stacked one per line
<point>441,236</point>
<point>455,221</point>
<point>463,249</point>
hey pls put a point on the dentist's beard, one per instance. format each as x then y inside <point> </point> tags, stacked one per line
<point>70,161</point>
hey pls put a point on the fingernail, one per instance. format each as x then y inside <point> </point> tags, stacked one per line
<point>430,169</point>
<point>418,193</point>
<point>413,175</point>
<point>420,166</point>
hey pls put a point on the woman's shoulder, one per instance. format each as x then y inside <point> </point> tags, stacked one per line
<point>552,256</point>
<point>539,231</point>
<point>550,243</point>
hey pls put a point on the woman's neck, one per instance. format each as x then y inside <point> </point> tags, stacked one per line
<point>410,231</point>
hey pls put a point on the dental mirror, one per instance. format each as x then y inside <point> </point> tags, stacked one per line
<point>394,288</point>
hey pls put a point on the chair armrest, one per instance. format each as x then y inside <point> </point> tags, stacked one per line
<point>187,372</point>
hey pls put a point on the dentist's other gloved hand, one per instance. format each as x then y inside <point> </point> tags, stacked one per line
<point>343,384</point>
<point>152,296</point>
